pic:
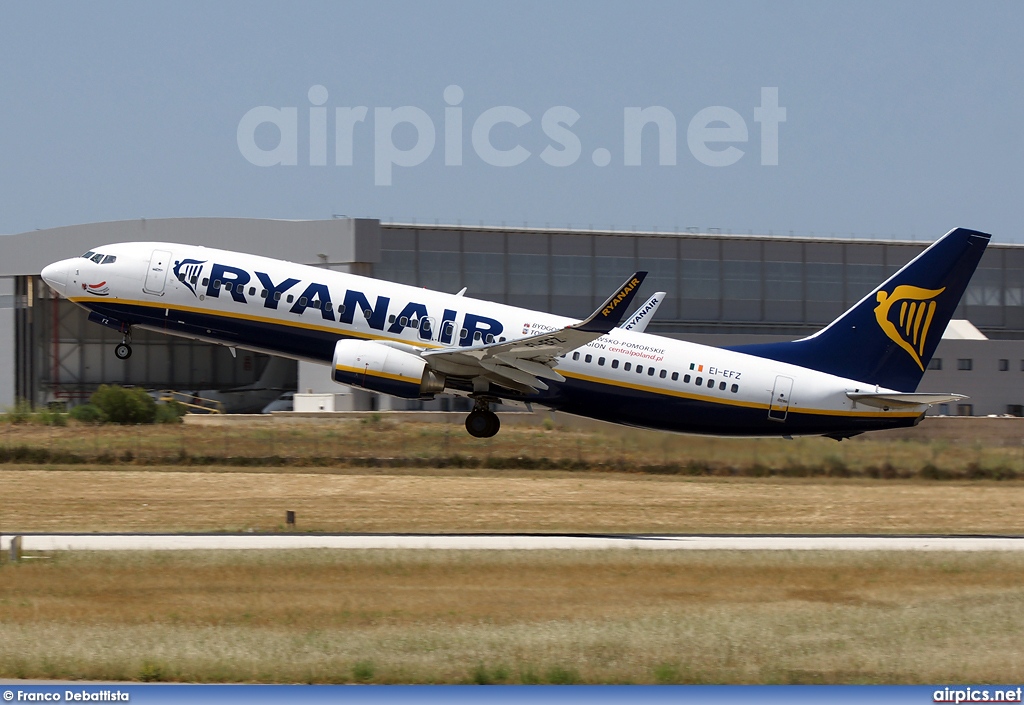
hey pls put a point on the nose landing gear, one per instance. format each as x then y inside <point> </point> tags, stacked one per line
<point>482,422</point>
<point>124,350</point>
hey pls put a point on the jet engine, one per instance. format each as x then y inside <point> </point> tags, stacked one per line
<point>379,368</point>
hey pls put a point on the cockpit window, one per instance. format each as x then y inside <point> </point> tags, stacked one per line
<point>96,258</point>
<point>88,254</point>
<point>109,259</point>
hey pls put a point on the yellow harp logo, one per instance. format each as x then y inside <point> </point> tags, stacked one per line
<point>916,308</point>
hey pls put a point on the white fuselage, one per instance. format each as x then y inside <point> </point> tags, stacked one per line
<point>634,378</point>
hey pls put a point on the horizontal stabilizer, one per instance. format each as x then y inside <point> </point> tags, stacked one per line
<point>889,399</point>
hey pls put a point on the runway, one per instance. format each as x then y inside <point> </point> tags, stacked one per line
<point>508,542</point>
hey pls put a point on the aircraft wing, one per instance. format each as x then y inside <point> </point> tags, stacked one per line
<point>521,364</point>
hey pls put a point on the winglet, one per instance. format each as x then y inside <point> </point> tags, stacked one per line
<point>610,313</point>
<point>644,313</point>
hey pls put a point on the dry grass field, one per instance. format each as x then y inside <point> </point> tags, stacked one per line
<point>509,617</point>
<point>169,499</point>
<point>519,617</point>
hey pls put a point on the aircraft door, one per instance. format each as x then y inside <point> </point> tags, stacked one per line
<point>779,407</point>
<point>156,275</point>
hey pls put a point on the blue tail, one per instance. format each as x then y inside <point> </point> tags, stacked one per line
<point>889,336</point>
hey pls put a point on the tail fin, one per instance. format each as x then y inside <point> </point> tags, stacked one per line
<point>889,336</point>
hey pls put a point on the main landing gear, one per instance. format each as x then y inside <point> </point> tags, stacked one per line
<point>482,422</point>
<point>124,350</point>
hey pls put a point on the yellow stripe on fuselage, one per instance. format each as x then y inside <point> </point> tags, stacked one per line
<point>733,402</point>
<point>261,319</point>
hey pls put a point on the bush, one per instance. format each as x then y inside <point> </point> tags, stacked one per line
<point>49,417</point>
<point>170,412</point>
<point>87,413</point>
<point>124,405</point>
<point>18,414</point>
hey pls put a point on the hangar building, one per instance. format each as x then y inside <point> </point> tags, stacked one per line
<point>723,289</point>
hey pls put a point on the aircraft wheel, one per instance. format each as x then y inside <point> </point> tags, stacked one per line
<point>123,351</point>
<point>482,424</point>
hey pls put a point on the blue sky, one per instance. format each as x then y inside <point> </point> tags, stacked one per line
<point>901,118</point>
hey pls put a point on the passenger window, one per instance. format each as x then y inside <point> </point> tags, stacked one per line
<point>627,366</point>
<point>328,306</point>
<point>650,371</point>
<point>721,386</point>
<point>639,369</point>
<point>448,328</point>
<point>290,298</point>
<point>477,337</point>
<point>341,308</point>
<point>391,318</point>
<point>686,379</point>
<point>711,383</point>
<point>195,280</point>
<point>675,376</point>
<point>277,296</point>
<point>615,364</point>
<point>463,334</point>
<point>404,321</point>
<point>600,361</point>
<point>206,281</point>
<point>302,301</point>
<point>735,388</point>
<point>576,356</point>
<point>366,312</point>
<point>263,294</point>
<point>181,277</point>
<point>489,339</point>
<point>216,283</point>
<point>588,358</point>
<point>699,381</point>
<point>502,340</point>
<point>109,259</point>
<point>663,374</point>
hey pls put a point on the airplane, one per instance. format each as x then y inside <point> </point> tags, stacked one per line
<point>857,374</point>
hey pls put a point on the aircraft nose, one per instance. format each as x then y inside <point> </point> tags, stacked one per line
<point>56,275</point>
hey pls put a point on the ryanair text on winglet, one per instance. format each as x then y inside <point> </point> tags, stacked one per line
<point>619,297</point>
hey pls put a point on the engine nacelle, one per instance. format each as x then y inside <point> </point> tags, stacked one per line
<point>379,368</point>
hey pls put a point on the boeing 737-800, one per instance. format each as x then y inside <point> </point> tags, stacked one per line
<point>859,373</point>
